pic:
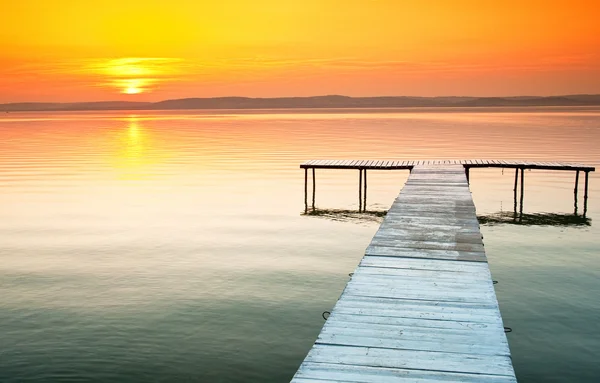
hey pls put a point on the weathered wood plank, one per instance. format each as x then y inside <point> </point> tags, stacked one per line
<point>413,359</point>
<point>425,264</point>
<point>329,372</point>
<point>391,251</point>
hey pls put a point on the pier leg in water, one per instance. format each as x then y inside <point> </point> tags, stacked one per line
<point>522,192</point>
<point>314,188</point>
<point>515,190</point>
<point>576,190</point>
<point>365,193</point>
<point>467,173</point>
<point>305,190</point>
<point>585,194</point>
<point>360,190</point>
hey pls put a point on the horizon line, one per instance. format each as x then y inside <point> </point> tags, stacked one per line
<point>299,97</point>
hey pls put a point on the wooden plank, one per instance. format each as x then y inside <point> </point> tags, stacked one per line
<point>428,263</point>
<point>431,254</point>
<point>432,341</point>
<point>367,320</point>
<point>330,372</point>
<point>411,359</point>
<point>471,312</point>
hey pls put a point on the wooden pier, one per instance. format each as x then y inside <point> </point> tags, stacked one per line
<point>520,166</point>
<point>421,305</point>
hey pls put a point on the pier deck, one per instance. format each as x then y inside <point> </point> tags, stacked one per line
<point>421,306</point>
<point>398,164</point>
<point>363,165</point>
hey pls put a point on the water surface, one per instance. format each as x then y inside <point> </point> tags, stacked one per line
<point>170,246</point>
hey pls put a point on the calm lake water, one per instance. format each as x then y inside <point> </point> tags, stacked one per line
<point>170,246</point>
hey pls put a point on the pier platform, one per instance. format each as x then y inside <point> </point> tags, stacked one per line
<point>421,306</point>
<point>519,165</point>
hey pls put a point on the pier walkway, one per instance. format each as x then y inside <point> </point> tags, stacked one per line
<point>421,305</point>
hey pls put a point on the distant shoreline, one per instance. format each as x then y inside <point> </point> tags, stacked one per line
<point>317,102</point>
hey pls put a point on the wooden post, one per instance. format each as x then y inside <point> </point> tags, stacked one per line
<point>365,193</point>
<point>305,190</point>
<point>515,188</point>
<point>585,193</point>
<point>359,190</point>
<point>576,190</point>
<point>314,188</point>
<point>522,189</point>
<point>467,173</point>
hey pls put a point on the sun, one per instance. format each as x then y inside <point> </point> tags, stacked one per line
<point>135,75</point>
<point>132,85</point>
<point>132,90</point>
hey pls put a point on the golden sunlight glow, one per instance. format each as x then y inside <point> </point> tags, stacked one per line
<point>132,86</point>
<point>67,50</point>
<point>132,90</point>
<point>133,75</point>
<point>133,152</point>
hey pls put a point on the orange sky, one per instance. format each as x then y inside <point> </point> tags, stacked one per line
<point>149,50</point>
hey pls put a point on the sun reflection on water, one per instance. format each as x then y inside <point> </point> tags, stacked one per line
<point>136,153</point>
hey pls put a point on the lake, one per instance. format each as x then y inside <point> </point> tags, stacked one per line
<point>171,246</point>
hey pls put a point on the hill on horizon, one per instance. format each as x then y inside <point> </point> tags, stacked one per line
<point>329,101</point>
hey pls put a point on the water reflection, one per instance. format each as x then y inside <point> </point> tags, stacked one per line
<point>347,215</point>
<point>136,151</point>
<point>534,219</point>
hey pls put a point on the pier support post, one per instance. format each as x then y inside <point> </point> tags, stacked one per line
<point>522,190</point>
<point>365,192</point>
<point>314,189</point>
<point>585,193</point>
<point>305,190</point>
<point>360,190</point>
<point>467,173</point>
<point>515,189</point>
<point>575,191</point>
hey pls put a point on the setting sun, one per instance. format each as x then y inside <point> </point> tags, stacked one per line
<point>132,75</point>
<point>132,90</point>
<point>131,86</point>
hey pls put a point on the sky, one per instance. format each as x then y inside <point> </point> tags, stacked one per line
<point>149,50</point>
